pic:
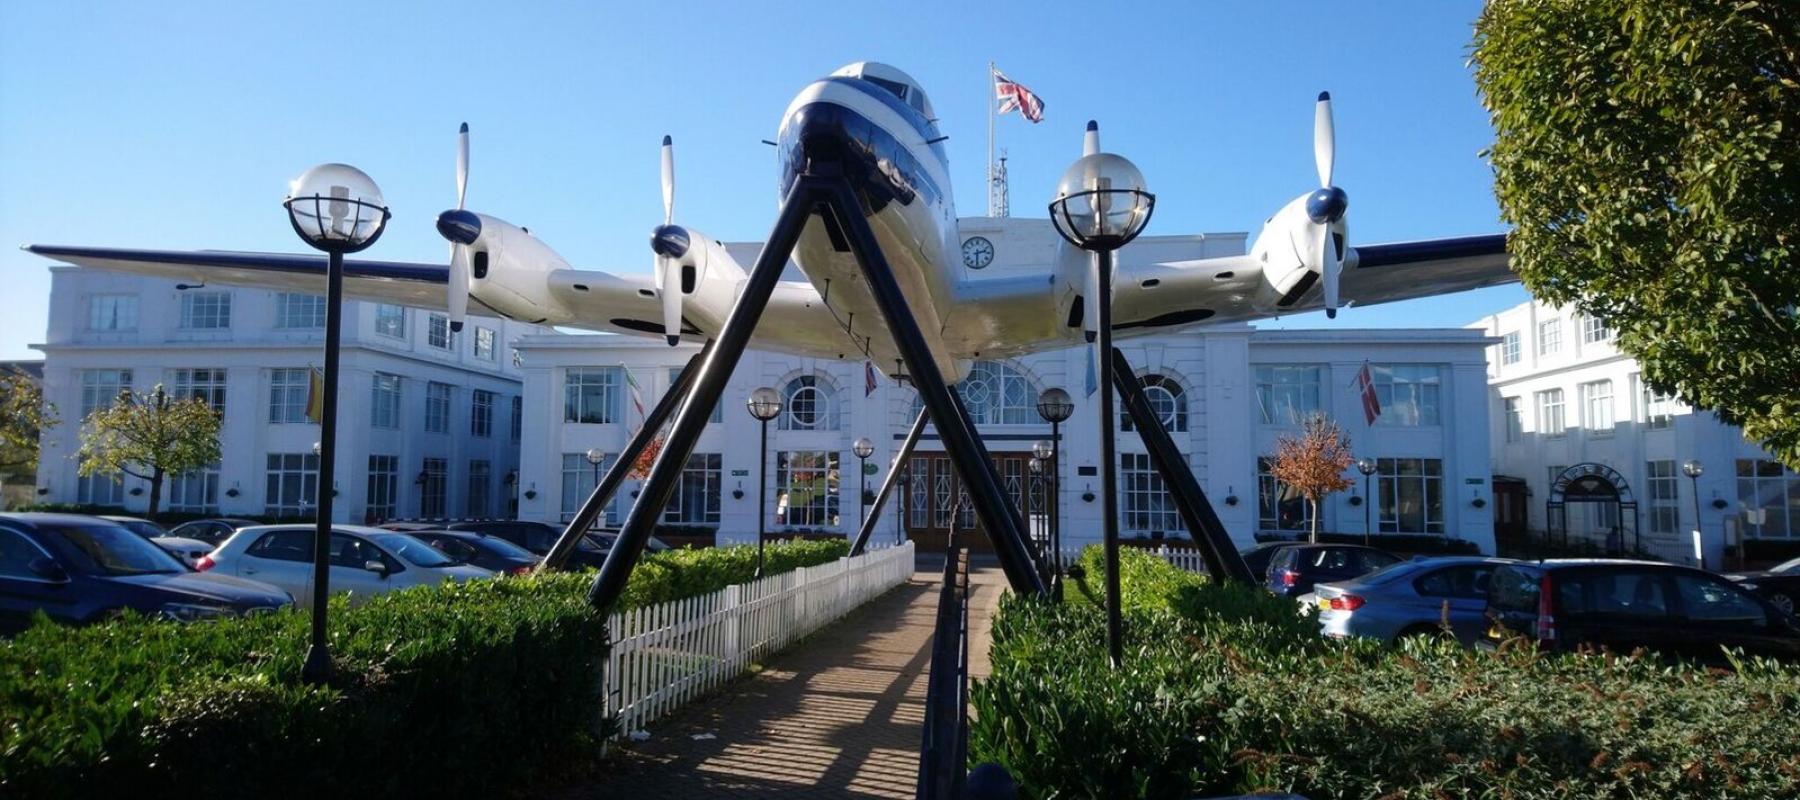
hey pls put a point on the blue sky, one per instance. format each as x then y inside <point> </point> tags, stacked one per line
<point>178,125</point>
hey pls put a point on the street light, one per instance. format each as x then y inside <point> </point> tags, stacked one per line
<point>764,404</point>
<point>863,448</point>
<point>1367,466</point>
<point>1055,406</point>
<point>1101,205</point>
<point>335,208</point>
<point>595,456</point>
<point>1693,468</point>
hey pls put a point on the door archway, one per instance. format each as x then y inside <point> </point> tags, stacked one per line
<point>1595,486</point>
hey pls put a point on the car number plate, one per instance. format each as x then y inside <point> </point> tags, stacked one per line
<point>1324,604</point>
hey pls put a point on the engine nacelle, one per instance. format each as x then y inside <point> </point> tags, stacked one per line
<point>709,276</point>
<point>1291,276</point>
<point>508,268</point>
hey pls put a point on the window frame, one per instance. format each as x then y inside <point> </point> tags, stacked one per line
<point>121,312</point>
<point>218,312</point>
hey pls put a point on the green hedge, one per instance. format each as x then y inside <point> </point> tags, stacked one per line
<point>455,689</point>
<point>1224,690</point>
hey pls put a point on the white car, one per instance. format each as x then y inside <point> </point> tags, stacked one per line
<point>188,550</point>
<point>364,561</point>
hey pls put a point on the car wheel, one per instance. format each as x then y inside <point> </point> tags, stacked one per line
<point>1782,601</point>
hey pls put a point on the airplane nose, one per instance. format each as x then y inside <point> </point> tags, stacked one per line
<point>670,241</point>
<point>459,226</point>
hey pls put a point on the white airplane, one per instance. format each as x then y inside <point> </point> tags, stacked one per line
<point>876,122</point>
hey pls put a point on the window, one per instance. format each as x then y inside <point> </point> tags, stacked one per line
<point>481,481</point>
<point>1167,399</point>
<point>1659,409</point>
<point>809,403</point>
<point>1287,395</point>
<point>578,481</point>
<point>1769,495</point>
<point>100,387</point>
<point>1280,508</point>
<point>1549,336</point>
<point>431,493</point>
<point>293,484</point>
<point>1612,592</point>
<point>288,389</point>
<point>112,312</point>
<point>206,384</point>
<point>1550,413</point>
<point>390,320</point>
<point>696,500</point>
<point>717,412</point>
<point>101,490</point>
<point>1597,407</point>
<point>1411,495</point>
<point>299,310</point>
<point>437,407</point>
<point>1470,582</point>
<point>806,487</point>
<point>1553,471</point>
<point>518,417</point>
<point>437,332</point>
<point>195,492</point>
<point>1509,348</point>
<point>16,555</point>
<point>284,546</point>
<point>1515,420</point>
<point>481,413</point>
<point>1593,330</point>
<point>383,500</point>
<point>1664,489</point>
<point>1147,505</point>
<point>1409,394</point>
<point>591,395</point>
<point>997,393</point>
<point>1713,602</point>
<point>385,401</point>
<point>205,311</point>
<point>484,343</point>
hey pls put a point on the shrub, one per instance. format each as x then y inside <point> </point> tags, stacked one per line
<point>689,572</point>
<point>1224,691</point>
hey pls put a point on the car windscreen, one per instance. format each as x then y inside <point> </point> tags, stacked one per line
<point>502,548</point>
<point>414,551</point>
<point>148,530</point>
<point>109,549</point>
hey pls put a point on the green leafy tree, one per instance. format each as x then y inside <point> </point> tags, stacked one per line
<point>149,436</point>
<point>23,417</point>
<point>1648,153</point>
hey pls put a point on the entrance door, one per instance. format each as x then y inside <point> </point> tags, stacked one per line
<point>935,498</point>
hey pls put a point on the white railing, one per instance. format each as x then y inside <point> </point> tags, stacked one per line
<point>1186,558</point>
<point>667,654</point>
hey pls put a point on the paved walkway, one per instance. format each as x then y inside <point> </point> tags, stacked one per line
<point>837,715</point>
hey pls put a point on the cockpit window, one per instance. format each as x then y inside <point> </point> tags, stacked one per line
<point>899,89</point>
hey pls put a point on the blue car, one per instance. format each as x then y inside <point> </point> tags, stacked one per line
<point>79,569</point>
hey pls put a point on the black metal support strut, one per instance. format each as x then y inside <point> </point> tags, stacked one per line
<point>888,483</point>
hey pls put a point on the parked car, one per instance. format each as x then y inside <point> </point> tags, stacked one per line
<point>211,531</point>
<point>1294,570</point>
<point>486,552</point>
<point>538,537</point>
<point>364,561</point>
<point>1257,558</point>
<point>1780,584</point>
<point>1410,598</point>
<point>80,569</point>
<point>1566,604</point>
<point>188,550</point>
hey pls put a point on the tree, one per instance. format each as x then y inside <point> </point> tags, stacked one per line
<point>1313,463</point>
<point>1648,154</point>
<point>149,436</point>
<point>23,417</point>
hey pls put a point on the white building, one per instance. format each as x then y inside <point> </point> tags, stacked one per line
<point>1227,393</point>
<point>429,421</point>
<point>1563,395</point>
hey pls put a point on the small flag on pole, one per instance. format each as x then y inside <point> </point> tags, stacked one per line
<point>315,395</point>
<point>637,394</point>
<point>868,378</point>
<point>1015,97</point>
<point>1365,386</point>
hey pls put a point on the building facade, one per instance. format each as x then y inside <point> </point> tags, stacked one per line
<point>429,420</point>
<point>1563,395</point>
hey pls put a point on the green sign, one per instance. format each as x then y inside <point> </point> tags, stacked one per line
<point>740,473</point>
<point>870,469</point>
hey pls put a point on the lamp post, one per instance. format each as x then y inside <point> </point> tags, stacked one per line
<point>764,404</point>
<point>1101,205</point>
<point>1055,406</point>
<point>335,208</point>
<point>1367,466</point>
<point>1693,469</point>
<point>595,457</point>
<point>863,448</point>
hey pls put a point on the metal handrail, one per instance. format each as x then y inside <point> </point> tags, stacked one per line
<point>944,752</point>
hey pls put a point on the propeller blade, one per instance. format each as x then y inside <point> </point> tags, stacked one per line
<point>670,269</point>
<point>462,165</point>
<point>668,180</point>
<point>1324,139</point>
<point>458,285</point>
<point>1331,267</point>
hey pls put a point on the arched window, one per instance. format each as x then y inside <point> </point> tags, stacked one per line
<point>809,403</point>
<point>996,393</point>
<point>1167,398</point>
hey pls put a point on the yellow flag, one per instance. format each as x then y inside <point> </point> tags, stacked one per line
<point>315,395</point>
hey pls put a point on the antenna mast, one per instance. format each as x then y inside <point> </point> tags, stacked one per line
<point>997,191</point>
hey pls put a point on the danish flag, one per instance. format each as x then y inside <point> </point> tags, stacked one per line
<point>1014,96</point>
<point>1365,385</point>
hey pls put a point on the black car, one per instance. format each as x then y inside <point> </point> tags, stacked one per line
<point>539,537</point>
<point>1294,570</point>
<point>1624,605</point>
<point>487,552</point>
<point>211,531</point>
<point>1780,584</point>
<point>79,569</point>
<point>1257,558</point>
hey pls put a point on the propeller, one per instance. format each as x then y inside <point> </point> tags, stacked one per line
<point>459,235</point>
<point>668,265</point>
<point>1326,206</point>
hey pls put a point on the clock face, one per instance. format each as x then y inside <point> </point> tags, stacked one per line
<point>978,252</point>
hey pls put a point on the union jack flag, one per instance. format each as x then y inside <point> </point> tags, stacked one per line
<point>1014,96</point>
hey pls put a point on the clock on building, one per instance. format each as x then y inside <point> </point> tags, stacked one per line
<point>978,252</point>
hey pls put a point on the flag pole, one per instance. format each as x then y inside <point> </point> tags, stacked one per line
<point>990,160</point>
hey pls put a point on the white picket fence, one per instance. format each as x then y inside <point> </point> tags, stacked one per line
<point>668,654</point>
<point>1186,558</point>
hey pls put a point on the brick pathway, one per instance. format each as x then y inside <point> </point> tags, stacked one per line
<point>837,715</point>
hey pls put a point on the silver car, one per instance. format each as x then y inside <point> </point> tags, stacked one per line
<point>1410,598</point>
<point>188,550</point>
<point>364,561</point>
